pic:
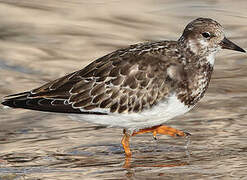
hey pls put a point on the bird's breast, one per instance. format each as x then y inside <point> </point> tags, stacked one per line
<point>198,78</point>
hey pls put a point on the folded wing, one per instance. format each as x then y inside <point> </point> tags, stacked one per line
<point>121,82</point>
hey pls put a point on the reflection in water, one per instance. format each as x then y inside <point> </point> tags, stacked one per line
<point>40,41</point>
<point>128,164</point>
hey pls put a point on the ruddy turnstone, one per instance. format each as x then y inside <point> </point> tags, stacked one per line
<point>137,88</point>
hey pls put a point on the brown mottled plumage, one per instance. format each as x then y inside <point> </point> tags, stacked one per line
<point>127,80</point>
<point>131,79</point>
<point>137,88</point>
<point>141,86</point>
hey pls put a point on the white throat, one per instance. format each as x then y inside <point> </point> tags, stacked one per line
<point>210,58</point>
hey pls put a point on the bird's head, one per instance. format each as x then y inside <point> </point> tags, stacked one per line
<point>204,36</point>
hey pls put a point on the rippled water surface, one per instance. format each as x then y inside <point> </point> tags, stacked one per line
<point>42,40</point>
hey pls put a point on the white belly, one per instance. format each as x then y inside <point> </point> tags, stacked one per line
<point>157,115</point>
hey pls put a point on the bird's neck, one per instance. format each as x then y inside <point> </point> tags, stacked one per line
<point>210,59</point>
<point>195,53</point>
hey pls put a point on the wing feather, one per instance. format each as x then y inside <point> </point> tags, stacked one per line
<point>124,81</point>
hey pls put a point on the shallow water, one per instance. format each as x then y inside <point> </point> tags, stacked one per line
<point>42,40</point>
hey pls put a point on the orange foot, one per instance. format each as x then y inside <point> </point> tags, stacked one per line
<point>166,130</point>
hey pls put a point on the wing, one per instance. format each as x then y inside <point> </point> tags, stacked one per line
<point>125,81</point>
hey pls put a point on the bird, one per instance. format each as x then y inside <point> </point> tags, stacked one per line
<point>137,88</point>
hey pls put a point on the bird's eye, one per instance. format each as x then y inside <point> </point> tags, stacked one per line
<point>206,35</point>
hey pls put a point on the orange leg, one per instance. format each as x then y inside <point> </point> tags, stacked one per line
<point>166,130</point>
<point>126,146</point>
<point>125,143</point>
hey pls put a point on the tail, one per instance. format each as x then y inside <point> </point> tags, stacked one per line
<point>23,100</point>
<point>16,100</point>
<point>26,101</point>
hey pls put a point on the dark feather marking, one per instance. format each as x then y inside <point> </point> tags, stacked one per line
<point>106,103</point>
<point>144,83</point>
<point>82,103</point>
<point>90,107</point>
<point>125,70</point>
<point>82,86</point>
<point>136,106</point>
<point>123,100</point>
<point>131,82</point>
<point>114,107</point>
<point>140,76</point>
<point>98,98</point>
<point>79,96</point>
<point>117,81</point>
<point>101,79</point>
<point>122,108</point>
<point>58,102</point>
<point>115,72</point>
<point>98,89</point>
<point>104,70</point>
<point>115,94</point>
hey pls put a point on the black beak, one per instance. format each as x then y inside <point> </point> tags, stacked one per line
<point>226,44</point>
